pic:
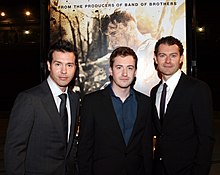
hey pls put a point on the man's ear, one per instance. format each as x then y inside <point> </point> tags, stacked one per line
<point>110,71</point>
<point>48,65</point>
<point>181,59</point>
<point>135,73</point>
<point>155,60</point>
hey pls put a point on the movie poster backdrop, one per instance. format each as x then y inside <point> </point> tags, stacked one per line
<point>97,27</point>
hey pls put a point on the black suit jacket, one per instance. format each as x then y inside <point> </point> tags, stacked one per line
<point>102,150</point>
<point>185,140</point>
<point>35,141</point>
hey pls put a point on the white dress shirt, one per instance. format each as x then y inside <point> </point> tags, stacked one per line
<point>171,85</point>
<point>56,92</point>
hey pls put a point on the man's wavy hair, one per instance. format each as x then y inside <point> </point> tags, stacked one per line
<point>118,16</point>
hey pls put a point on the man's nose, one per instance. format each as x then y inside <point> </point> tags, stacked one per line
<point>63,69</point>
<point>124,72</point>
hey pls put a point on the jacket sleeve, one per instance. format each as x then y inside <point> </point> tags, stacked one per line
<point>19,128</point>
<point>203,115</point>
<point>86,138</point>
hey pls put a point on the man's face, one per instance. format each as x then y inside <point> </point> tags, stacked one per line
<point>168,60</point>
<point>123,72</point>
<point>62,68</point>
<point>117,35</point>
<point>121,35</point>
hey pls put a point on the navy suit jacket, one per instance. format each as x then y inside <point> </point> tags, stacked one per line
<point>185,140</point>
<point>102,150</point>
<point>35,141</point>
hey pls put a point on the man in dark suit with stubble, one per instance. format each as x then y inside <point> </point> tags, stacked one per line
<point>39,138</point>
<point>182,117</point>
<point>115,135</point>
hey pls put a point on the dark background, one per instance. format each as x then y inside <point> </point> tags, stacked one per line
<point>208,46</point>
<point>21,55</point>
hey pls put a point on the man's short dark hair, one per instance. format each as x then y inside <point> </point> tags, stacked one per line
<point>61,46</point>
<point>123,51</point>
<point>170,40</point>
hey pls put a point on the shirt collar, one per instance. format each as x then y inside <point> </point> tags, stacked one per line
<point>172,81</point>
<point>113,94</point>
<point>54,88</point>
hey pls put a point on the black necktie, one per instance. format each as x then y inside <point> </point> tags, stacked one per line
<point>63,113</point>
<point>162,102</point>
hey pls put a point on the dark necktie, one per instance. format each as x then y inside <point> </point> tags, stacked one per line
<point>162,102</point>
<point>63,113</point>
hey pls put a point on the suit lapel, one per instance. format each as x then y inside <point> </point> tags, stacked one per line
<point>171,105</point>
<point>74,114</point>
<point>109,108</point>
<point>50,107</point>
<point>138,118</point>
<point>155,113</point>
<point>175,97</point>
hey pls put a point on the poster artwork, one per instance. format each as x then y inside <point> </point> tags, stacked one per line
<point>97,27</point>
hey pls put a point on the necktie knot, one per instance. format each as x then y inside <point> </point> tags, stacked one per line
<point>63,104</point>
<point>164,86</point>
<point>63,97</point>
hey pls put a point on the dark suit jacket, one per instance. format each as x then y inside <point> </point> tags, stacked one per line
<point>102,150</point>
<point>35,141</point>
<point>185,141</point>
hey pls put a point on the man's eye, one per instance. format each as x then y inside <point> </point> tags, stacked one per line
<point>70,65</point>
<point>130,68</point>
<point>173,56</point>
<point>113,33</point>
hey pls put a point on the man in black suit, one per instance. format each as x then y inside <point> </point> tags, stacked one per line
<point>184,134</point>
<point>36,141</point>
<point>115,124</point>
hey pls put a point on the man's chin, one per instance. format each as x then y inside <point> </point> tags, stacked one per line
<point>63,84</point>
<point>125,86</point>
